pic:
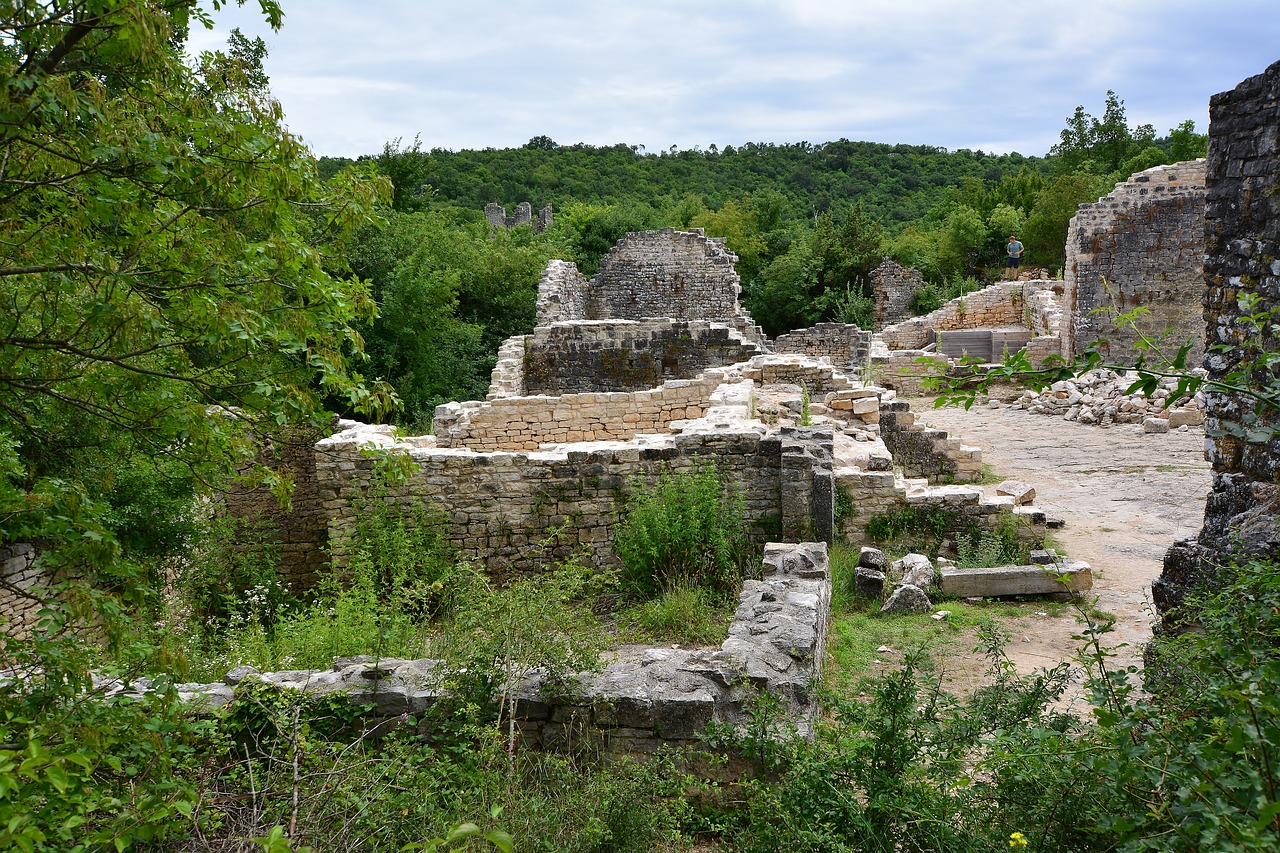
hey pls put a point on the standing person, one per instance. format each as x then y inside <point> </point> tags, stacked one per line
<point>1014,250</point>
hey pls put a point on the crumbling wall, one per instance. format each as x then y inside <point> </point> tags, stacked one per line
<point>848,347</point>
<point>21,583</point>
<point>520,511</point>
<point>527,423</point>
<point>894,285</point>
<point>1004,304</point>
<point>562,294</point>
<point>669,273</point>
<point>1139,247</point>
<point>659,697</point>
<point>1242,244</point>
<point>297,530</point>
<point>626,355</point>
<point>496,214</point>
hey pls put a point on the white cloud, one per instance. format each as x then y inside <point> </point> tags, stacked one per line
<point>998,75</point>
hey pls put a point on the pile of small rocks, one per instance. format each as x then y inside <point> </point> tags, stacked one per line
<point>1098,397</point>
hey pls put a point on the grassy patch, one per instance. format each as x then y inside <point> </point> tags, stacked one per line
<point>682,614</point>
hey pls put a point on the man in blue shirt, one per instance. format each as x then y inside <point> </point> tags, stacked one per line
<point>1014,250</point>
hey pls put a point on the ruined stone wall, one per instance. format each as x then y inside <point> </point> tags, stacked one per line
<point>626,355</point>
<point>924,452</point>
<point>1242,244</point>
<point>21,582</point>
<point>669,273</point>
<point>527,423</point>
<point>562,294</point>
<point>894,285</point>
<point>999,305</point>
<point>496,215</point>
<point>502,507</point>
<point>660,697</point>
<point>1140,246</point>
<point>820,379</point>
<point>298,530</point>
<point>845,344</point>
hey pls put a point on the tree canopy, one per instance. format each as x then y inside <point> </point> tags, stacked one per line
<point>170,262</point>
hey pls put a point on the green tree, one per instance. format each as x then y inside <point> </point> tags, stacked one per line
<point>166,251</point>
<point>1186,144</point>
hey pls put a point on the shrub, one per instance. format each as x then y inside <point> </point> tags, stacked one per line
<point>684,529</point>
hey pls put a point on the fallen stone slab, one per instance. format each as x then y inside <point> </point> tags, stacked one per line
<point>1020,492</point>
<point>1017,580</point>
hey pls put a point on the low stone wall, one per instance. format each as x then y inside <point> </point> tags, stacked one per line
<point>818,377</point>
<point>848,347</point>
<point>905,371</point>
<point>999,305</point>
<point>626,355</point>
<point>924,452</point>
<point>645,700</point>
<point>528,423</point>
<point>518,511</point>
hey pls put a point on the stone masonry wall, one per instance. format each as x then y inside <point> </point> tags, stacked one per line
<point>1242,245</point>
<point>999,305</point>
<point>519,511</point>
<point>299,530</point>
<point>21,579</point>
<point>846,345</point>
<point>626,355</point>
<point>1140,246</point>
<point>669,273</point>
<point>496,214</point>
<point>527,423</point>
<point>894,285</point>
<point>562,294</point>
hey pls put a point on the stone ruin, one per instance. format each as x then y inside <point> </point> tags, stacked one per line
<point>894,285</point>
<point>653,366</point>
<point>497,217</point>
<point>1241,247</point>
<point>1142,246</point>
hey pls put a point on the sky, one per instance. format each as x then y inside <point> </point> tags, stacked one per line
<point>991,75</point>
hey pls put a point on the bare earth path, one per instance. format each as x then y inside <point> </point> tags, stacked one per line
<point>1126,496</point>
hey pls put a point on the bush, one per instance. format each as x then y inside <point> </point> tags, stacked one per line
<point>684,529</point>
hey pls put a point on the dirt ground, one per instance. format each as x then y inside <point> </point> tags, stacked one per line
<point>1125,496</point>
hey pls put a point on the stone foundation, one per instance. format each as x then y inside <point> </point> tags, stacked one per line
<point>647,698</point>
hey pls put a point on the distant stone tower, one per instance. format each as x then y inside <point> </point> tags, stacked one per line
<point>497,216</point>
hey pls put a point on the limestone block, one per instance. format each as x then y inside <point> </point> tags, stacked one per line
<point>907,599</point>
<point>1020,492</point>
<point>1017,580</point>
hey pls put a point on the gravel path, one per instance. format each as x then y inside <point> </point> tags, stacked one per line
<point>1125,495</point>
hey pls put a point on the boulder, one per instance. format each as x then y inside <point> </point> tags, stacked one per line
<point>869,583</point>
<point>915,570</point>
<point>907,599</point>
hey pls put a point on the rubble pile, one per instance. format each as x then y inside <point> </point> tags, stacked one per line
<point>1098,397</point>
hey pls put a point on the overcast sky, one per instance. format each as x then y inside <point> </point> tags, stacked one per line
<point>980,74</point>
